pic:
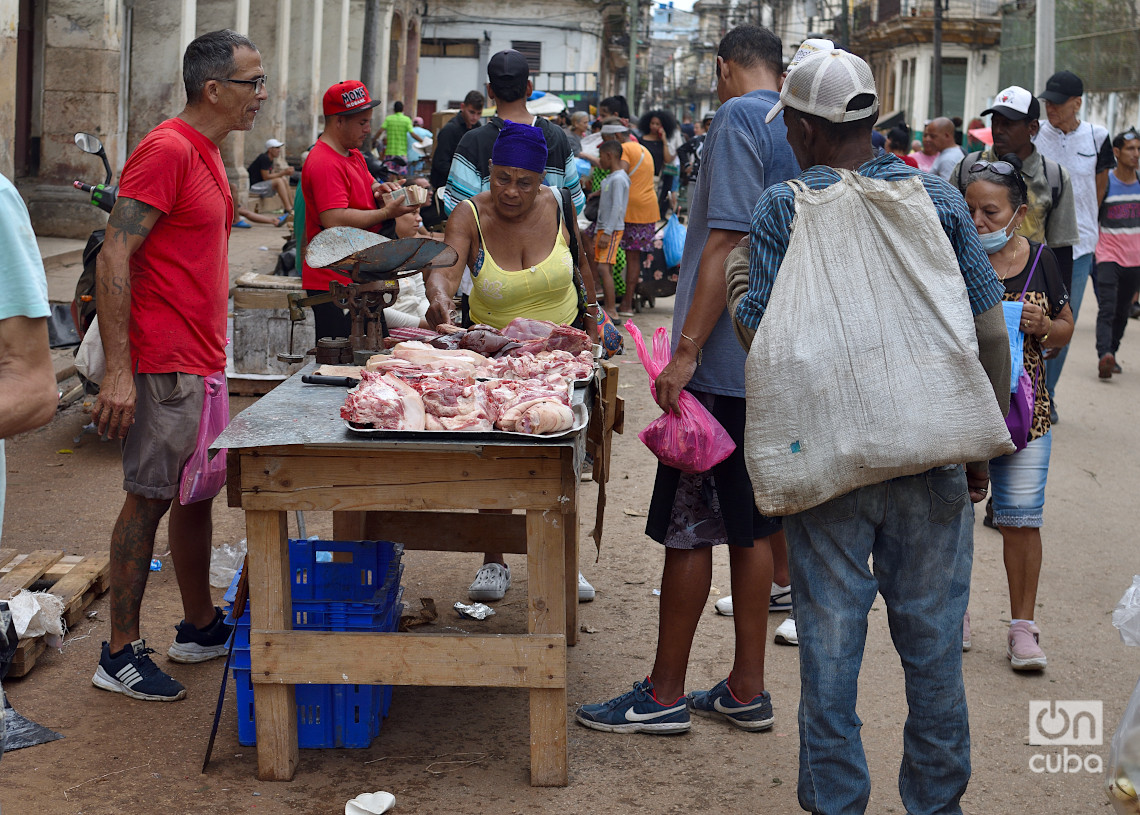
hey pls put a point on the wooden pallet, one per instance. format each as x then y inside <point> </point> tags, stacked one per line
<point>78,581</point>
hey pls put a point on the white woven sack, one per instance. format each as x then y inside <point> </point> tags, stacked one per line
<point>865,366</point>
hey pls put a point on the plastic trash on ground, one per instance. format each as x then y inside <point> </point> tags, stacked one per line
<point>370,803</point>
<point>38,614</point>
<point>225,561</point>
<point>1122,776</point>
<point>475,611</point>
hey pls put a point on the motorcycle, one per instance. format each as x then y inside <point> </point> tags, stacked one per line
<point>102,196</point>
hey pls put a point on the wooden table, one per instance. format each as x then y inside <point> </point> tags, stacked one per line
<point>291,451</point>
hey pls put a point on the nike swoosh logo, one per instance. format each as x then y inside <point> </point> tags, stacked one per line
<point>632,716</point>
<point>720,708</point>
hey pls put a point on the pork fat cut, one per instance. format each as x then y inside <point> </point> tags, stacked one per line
<point>385,402</point>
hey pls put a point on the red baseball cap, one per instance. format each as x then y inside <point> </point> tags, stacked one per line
<point>349,96</point>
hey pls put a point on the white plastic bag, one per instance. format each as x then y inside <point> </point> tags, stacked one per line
<point>89,359</point>
<point>1126,615</point>
<point>1122,776</point>
<point>865,366</point>
<point>225,560</point>
<point>38,614</point>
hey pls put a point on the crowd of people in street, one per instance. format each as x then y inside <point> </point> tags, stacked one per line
<point>1008,236</point>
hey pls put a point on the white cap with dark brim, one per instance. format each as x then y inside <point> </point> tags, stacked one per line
<point>824,83</point>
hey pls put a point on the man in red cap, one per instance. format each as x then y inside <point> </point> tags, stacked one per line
<point>339,191</point>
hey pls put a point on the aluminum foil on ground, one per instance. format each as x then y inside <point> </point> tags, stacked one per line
<point>475,611</point>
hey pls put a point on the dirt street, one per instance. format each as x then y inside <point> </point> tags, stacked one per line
<point>451,750</point>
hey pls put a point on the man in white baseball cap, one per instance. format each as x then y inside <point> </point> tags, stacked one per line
<point>922,559</point>
<point>265,178</point>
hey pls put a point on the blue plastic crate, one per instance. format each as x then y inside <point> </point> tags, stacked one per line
<point>344,571</point>
<point>327,715</point>
<point>384,596</point>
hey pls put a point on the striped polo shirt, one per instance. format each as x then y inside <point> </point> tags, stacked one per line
<point>1120,223</point>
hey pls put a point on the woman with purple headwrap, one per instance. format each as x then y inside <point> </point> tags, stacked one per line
<point>515,241</point>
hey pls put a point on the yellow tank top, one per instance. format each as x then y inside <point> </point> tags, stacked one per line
<point>544,291</point>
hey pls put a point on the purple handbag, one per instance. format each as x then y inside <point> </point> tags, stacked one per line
<point>1023,401</point>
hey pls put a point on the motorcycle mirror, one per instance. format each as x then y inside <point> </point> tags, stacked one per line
<point>88,143</point>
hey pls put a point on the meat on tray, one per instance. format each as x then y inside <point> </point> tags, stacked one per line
<point>428,388</point>
<point>528,366</point>
<point>385,402</point>
<point>521,336</point>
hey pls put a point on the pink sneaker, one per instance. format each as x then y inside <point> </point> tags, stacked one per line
<point>1023,651</point>
<point>966,631</point>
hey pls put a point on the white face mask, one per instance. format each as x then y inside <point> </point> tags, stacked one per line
<point>994,242</point>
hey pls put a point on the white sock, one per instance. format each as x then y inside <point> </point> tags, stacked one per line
<point>1031,622</point>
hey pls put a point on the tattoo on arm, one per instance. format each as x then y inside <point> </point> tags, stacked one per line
<point>128,219</point>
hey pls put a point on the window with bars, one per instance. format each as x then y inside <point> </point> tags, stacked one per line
<point>532,50</point>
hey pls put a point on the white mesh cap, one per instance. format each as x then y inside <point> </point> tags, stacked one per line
<point>822,85</point>
<point>809,47</point>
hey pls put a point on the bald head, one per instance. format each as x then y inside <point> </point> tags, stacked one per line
<point>938,133</point>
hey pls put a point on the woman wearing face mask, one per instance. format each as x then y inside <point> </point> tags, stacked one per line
<point>997,200</point>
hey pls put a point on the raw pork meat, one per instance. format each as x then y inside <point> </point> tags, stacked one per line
<point>456,405</point>
<point>542,335</point>
<point>538,416</point>
<point>385,402</point>
<point>527,366</point>
<point>521,329</point>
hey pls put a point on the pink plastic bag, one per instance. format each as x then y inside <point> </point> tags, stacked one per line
<point>203,477</point>
<point>692,440</point>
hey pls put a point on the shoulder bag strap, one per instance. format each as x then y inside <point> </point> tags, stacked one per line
<point>203,146</point>
<point>567,215</point>
<point>1032,269</point>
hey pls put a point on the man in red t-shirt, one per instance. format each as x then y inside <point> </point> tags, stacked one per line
<point>162,288</point>
<point>339,190</point>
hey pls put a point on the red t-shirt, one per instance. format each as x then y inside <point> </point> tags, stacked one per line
<point>332,181</point>
<point>180,274</point>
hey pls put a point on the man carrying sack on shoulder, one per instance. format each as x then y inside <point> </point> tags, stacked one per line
<point>907,380</point>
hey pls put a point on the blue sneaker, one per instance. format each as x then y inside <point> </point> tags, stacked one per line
<point>200,644</point>
<point>132,673</point>
<point>755,714</point>
<point>636,712</point>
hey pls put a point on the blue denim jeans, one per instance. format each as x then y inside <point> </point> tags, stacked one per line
<point>919,532</point>
<point>1082,266</point>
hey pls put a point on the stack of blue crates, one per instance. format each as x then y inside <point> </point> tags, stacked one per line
<point>337,586</point>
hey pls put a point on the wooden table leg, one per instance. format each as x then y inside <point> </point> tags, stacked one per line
<point>546,607</point>
<point>270,606</point>
<point>570,546</point>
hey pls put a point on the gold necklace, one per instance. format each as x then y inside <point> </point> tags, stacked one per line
<point>1013,264</point>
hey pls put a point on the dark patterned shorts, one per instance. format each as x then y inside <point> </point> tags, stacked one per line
<point>707,509</point>
<point>638,237</point>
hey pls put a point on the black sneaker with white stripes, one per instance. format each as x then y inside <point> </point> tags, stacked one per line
<point>131,672</point>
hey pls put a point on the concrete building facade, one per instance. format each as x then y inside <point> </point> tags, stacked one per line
<point>113,68</point>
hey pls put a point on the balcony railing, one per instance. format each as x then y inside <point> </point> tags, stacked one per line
<point>960,9</point>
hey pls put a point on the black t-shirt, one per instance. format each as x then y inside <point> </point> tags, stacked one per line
<point>656,148</point>
<point>1046,290</point>
<point>262,162</point>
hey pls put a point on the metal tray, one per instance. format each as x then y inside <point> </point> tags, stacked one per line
<point>581,419</point>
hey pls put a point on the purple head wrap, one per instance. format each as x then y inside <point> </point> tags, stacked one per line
<point>521,146</point>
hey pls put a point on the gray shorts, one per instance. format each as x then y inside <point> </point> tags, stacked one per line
<point>261,188</point>
<point>168,409</point>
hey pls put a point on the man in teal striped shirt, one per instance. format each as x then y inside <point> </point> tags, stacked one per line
<point>508,87</point>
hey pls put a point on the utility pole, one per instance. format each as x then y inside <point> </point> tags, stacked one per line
<point>937,78</point>
<point>368,51</point>
<point>1045,43</point>
<point>631,88</point>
